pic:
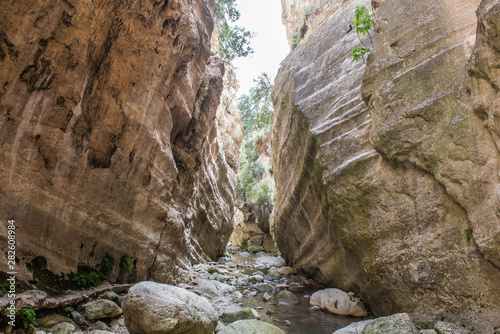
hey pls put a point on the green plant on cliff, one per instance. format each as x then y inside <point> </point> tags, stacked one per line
<point>85,280</point>
<point>468,234</point>
<point>126,262</point>
<point>28,316</point>
<point>233,40</point>
<point>300,31</point>
<point>362,24</point>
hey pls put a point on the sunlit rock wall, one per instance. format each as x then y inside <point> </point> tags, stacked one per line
<point>108,136</point>
<point>374,165</point>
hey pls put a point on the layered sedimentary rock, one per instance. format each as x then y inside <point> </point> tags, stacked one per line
<point>386,177</point>
<point>108,137</point>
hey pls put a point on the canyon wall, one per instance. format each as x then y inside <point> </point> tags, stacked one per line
<point>109,144</point>
<point>387,173</point>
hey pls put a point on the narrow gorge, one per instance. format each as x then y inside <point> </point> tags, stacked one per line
<point>140,194</point>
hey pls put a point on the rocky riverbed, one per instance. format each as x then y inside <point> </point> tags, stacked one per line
<point>247,291</point>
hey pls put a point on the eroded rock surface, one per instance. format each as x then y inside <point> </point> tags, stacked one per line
<point>395,202</point>
<point>108,140</point>
<point>160,308</point>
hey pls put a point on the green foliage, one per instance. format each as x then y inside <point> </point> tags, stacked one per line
<point>308,11</point>
<point>126,263</point>
<point>244,245</point>
<point>108,261</point>
<point>362,24</point>
<point>358,53</point>
<point>85,280</point>
<point>262,194</point>
<point>69,309</point>
<point>246,179</point>
<point>297,34</point>
<point>363,21</point>
<point>225,11</point>
<point>5,288</point>
<point>275,252</point>
<point>28,316</point>
<point>257,107</point>
<point>234,41</point>
<point>468,234</point>
<point>257,116</point>
<point>300,31</point>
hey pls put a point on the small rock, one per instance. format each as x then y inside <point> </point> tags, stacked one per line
<point>264,287</point>
<point>266,297</point>
<point>63,328</point>
<point>255,249</point>
<point>237,296</point>
<point>282,286</point>
<point>354,328</point>
<point>255,279</point>
<point>251,327</point>
<point>287,297</point>
<point>427,331</point>
<point>40,332</point>
<point>77,317</point>
<point>399,323</point>
<point>246,313</point>
<point>296,287</point>
<point>101,308</point>
<point>220,327</point>
<point>287,322</point>
<point>53,319</point>
<point>117,322</point>
<point>315,308</point>
<point>99,325</point>
<point>273,274</point>
<point>270,312</point>
<point>442,327</point>
<point>109,295</point>
<point>100,331</point>
<point>286,271</point>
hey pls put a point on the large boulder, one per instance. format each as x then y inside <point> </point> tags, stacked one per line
<point>338,302</point>
<point>399,323</point>
<point>154,308</point>
<point>251,327</point>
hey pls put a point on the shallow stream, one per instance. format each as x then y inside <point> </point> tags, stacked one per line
<point>293,319</point>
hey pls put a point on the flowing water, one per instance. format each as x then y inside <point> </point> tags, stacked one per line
<point>293,319</point>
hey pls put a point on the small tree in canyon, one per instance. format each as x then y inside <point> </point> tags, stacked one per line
<point>362,24</point>
<point>257,116</point>
<point>233,40</point>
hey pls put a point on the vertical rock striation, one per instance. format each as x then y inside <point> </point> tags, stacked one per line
<point>108,136</point>
<point>382,200</point>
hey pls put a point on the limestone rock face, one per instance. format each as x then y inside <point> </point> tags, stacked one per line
<point>108,136</point>
<point>230,128</point>
<point>390,201</point>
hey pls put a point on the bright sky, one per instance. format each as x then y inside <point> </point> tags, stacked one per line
<point>263,17</point>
